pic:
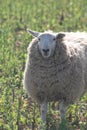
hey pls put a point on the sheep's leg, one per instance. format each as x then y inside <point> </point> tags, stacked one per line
<point>43,111</point>
<point>43,114</point>
<point>62,109</point>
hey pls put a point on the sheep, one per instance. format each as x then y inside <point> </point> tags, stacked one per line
<point>56,69</point>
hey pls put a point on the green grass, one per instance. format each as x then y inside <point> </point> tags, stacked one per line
<point>16,111</point>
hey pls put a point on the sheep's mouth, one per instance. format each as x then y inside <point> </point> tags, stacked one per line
<point>46,55</point>
<point>45,52</point>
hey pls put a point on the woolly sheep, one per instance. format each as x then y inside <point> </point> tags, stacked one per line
<point>56,68</point>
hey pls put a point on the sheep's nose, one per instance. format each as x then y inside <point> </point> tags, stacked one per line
<point>45,50</point>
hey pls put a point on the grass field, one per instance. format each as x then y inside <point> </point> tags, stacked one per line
<point>16,111</point>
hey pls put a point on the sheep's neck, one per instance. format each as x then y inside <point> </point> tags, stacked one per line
<point>61,57</point>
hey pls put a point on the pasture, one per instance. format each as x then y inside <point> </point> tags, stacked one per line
<point>16,111</point>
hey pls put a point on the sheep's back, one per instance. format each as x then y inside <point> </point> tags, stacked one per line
<point>75,37</point>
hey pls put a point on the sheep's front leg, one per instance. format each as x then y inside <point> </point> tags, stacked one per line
<point>43,111</point>
<point>62,109</point>
<point>43,114</point>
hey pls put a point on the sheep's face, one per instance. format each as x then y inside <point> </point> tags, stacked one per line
<point>47,42</point>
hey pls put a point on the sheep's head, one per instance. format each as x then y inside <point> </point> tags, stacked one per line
<point>47,42</point>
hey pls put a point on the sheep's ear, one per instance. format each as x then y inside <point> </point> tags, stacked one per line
<point>60,35</point>
<point>33,33</point>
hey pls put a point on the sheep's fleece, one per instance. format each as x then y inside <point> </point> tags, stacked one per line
<point>63,76</point>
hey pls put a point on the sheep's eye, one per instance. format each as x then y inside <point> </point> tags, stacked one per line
<point>54,39</point>
<point>38,39</point>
